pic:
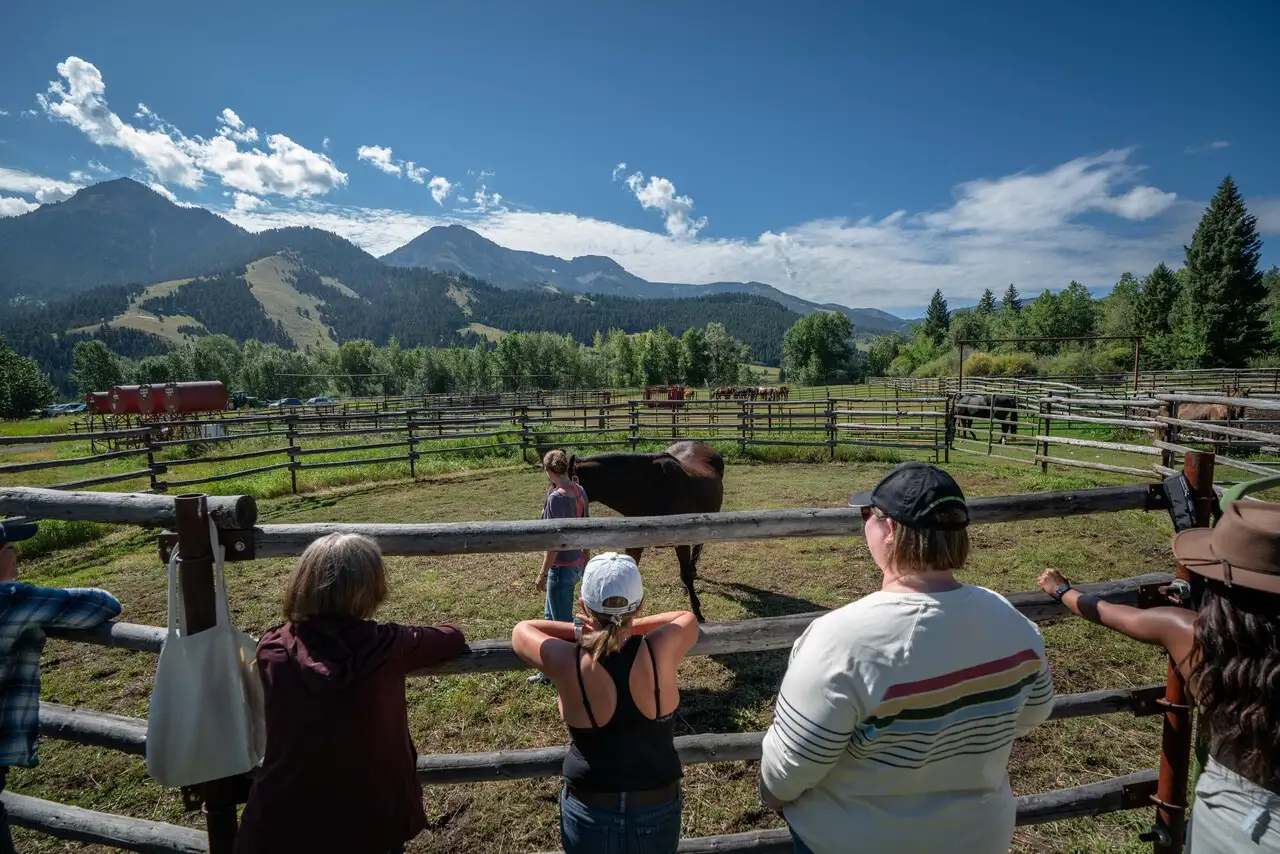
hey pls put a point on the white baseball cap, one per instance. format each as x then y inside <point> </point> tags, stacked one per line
<point>608,575</point>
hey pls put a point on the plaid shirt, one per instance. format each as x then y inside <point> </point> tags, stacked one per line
<point>25,610</point>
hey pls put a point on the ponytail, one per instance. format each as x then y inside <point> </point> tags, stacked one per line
<point>605,641</point>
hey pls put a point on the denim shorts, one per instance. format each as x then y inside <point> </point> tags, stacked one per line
<point>561,581</point>
<point>586,829</point>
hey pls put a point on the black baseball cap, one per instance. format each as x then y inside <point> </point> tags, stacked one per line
<point>12,532</point>
<point>914,494</point>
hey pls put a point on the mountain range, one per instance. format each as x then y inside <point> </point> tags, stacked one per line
<point>122,264</point>
<point>121,232</point>
<point>458,248</point>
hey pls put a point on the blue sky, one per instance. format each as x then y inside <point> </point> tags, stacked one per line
<point>853,152</point>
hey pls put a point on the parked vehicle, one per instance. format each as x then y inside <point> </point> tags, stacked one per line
<point>287,401</point>
<point>321,401</point>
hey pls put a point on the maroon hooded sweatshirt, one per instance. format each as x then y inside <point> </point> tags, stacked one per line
<point>339,773</point>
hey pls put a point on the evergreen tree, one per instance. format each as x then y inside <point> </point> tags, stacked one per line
<point>1011,301</point>
<point>987,305</point>
<point>1156,298</point>
<point>937,320</point>
<point>1226,291</point>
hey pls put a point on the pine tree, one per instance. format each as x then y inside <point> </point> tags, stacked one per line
<point>1156,297</point>
<point>1011,301</point>
<point>987,305</point>
<point>1227,295</point>
<point>937,320</point>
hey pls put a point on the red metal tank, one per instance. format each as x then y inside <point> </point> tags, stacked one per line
<point>97,402</point>
<point>201,396</point>
<point>150,399</point>
<point>124,400</point>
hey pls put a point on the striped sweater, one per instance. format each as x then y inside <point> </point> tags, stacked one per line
<point>895,720</point>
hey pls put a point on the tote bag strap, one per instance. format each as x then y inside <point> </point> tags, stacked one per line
<point>176,622</point>
<point>219,580</point>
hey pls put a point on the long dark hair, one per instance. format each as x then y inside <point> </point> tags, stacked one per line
<point>1236,674</point>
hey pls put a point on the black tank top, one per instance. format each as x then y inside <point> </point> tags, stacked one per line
<point>630,753</point>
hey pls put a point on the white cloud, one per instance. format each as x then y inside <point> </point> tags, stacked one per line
<point>4,112</point>
<point>246,202</point>
<point>618,171</point>
<point>380,157</point>
<point>232,126</point>
<point>44,189</point>
<point>1267,210</point>
<point>660,194</point>
<point>98,167</point>
<point>892,262</point>
<point>30,114</point>
<point>286,168</point>
<point>81,103</point>
<point>10,206</point>
<point>1031,201</point>
<point>164,191</point>
<point>440,188</point>
<point>324,143</point>
<point>1216,145</point>
<point>416,174</point>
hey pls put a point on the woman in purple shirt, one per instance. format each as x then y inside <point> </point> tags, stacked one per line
<point>560,570</point>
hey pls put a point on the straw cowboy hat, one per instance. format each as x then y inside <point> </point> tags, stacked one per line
<point>1243,548</point>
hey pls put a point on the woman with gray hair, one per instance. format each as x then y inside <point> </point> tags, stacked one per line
<point>622,774</point>
<point>339,772</point>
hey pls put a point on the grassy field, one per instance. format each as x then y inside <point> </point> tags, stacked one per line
<point>487,594</point>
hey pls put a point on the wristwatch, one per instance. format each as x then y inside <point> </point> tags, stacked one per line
<point>1061,591</point>
<point>577,630</point>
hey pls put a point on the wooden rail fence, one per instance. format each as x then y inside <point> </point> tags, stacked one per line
<point>245,540</point>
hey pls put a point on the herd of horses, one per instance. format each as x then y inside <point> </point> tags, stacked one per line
<point>748,392</point>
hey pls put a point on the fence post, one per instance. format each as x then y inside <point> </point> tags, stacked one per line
<point>948,427</point>
<point>156,485</point>
<point>1046,407</point>
<point>413,445</point>
<point>831,426</point>
<point>742,429</point>
<point>195,575</point>
<point>991,418</point>
<point>634,426</point>
<point>1175,739</point>
<point>289,427</point>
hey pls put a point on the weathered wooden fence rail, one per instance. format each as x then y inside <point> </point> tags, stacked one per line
<point>245,540</point>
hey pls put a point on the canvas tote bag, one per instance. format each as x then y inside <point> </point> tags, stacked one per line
<point>206,718</point>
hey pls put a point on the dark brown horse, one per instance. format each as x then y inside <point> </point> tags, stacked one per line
<point>687,477</point>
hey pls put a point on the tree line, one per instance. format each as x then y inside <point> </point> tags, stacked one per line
<point>520,361</point>
<point>1217,310</point>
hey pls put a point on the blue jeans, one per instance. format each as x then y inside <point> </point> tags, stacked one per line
<point>560,584</point>
<point>586,829</point>
<point>797,844</point>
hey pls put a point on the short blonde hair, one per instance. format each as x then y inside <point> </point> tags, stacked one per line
<point>555,462</point>
<point>923,549</point>
<point>339,575</point>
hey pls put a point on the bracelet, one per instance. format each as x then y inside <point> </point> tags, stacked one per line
<point>1061,591</point>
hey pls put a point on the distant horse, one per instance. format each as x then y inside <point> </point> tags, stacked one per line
<point>783,392</point>
<point>1213,411</point>
<point>971,406</point>
<point>687,477</point>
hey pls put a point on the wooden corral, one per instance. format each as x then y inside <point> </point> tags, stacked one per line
<point>245,540</point>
